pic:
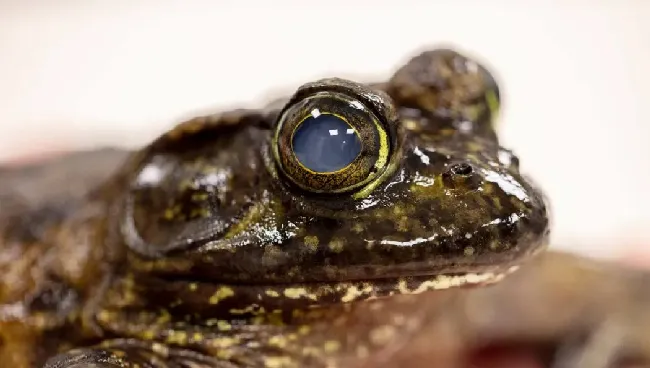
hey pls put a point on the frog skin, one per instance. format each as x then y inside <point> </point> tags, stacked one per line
<point>232,240</point>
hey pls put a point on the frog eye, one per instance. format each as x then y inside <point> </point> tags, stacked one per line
<point>331,141</point>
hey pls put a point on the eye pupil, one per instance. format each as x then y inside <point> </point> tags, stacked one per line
<point>325,143</point>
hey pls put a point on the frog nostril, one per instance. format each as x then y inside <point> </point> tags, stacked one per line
<point>462,169</point>
<point>460,176</point>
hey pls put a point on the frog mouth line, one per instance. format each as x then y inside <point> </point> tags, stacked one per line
<point>246,298</point>
<point>348,291</point>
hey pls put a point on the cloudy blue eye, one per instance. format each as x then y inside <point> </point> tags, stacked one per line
<point>325,143</point>
<point>328,140</point>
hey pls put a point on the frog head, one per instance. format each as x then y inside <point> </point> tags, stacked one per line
<point>348,191</point>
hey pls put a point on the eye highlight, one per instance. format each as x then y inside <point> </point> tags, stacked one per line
<point>332,140</point>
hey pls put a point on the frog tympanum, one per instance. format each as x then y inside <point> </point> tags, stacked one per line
<point>350,225</point>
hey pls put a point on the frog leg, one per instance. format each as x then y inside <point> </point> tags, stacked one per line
<point>132,353</point>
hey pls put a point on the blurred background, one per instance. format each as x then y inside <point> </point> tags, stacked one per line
<point>574,76</point>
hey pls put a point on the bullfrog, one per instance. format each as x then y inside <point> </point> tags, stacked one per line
<point>348,225</point>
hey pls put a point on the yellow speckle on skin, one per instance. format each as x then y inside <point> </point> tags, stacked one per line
<point>164,317</point>
<point>224,325</point>
<point>221,294</point>
<point>468,251</point>
<point>147,335</point>
<point>160,349</point>
<point>410,124</point>
<point>253,308</point>
<point>224,354</point>
<point>272,293</point>
<point>312,351</point>
<point>353,292</point>
<point>104,316</point>
<point>336,245</point>
<point>303,330</point>
<point>296,293</point>
<point>278,362</point>
<point>224,342</point>
<point>402,287</point>
<point>331,346</point>
<point>199,213</point>
<point>311,242</point>
<point>169,214</point>
<point>398,210</point>
<point>199,197</point>
<point>177,337</point>
<point>193,286</point>
<point>277,341</point>
<point>445,282</point>
<point>382,335</point>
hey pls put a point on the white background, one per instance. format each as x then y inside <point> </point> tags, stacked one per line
<point>574,75</point>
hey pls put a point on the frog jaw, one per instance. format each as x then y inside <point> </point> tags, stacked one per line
<point>214,299</point>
